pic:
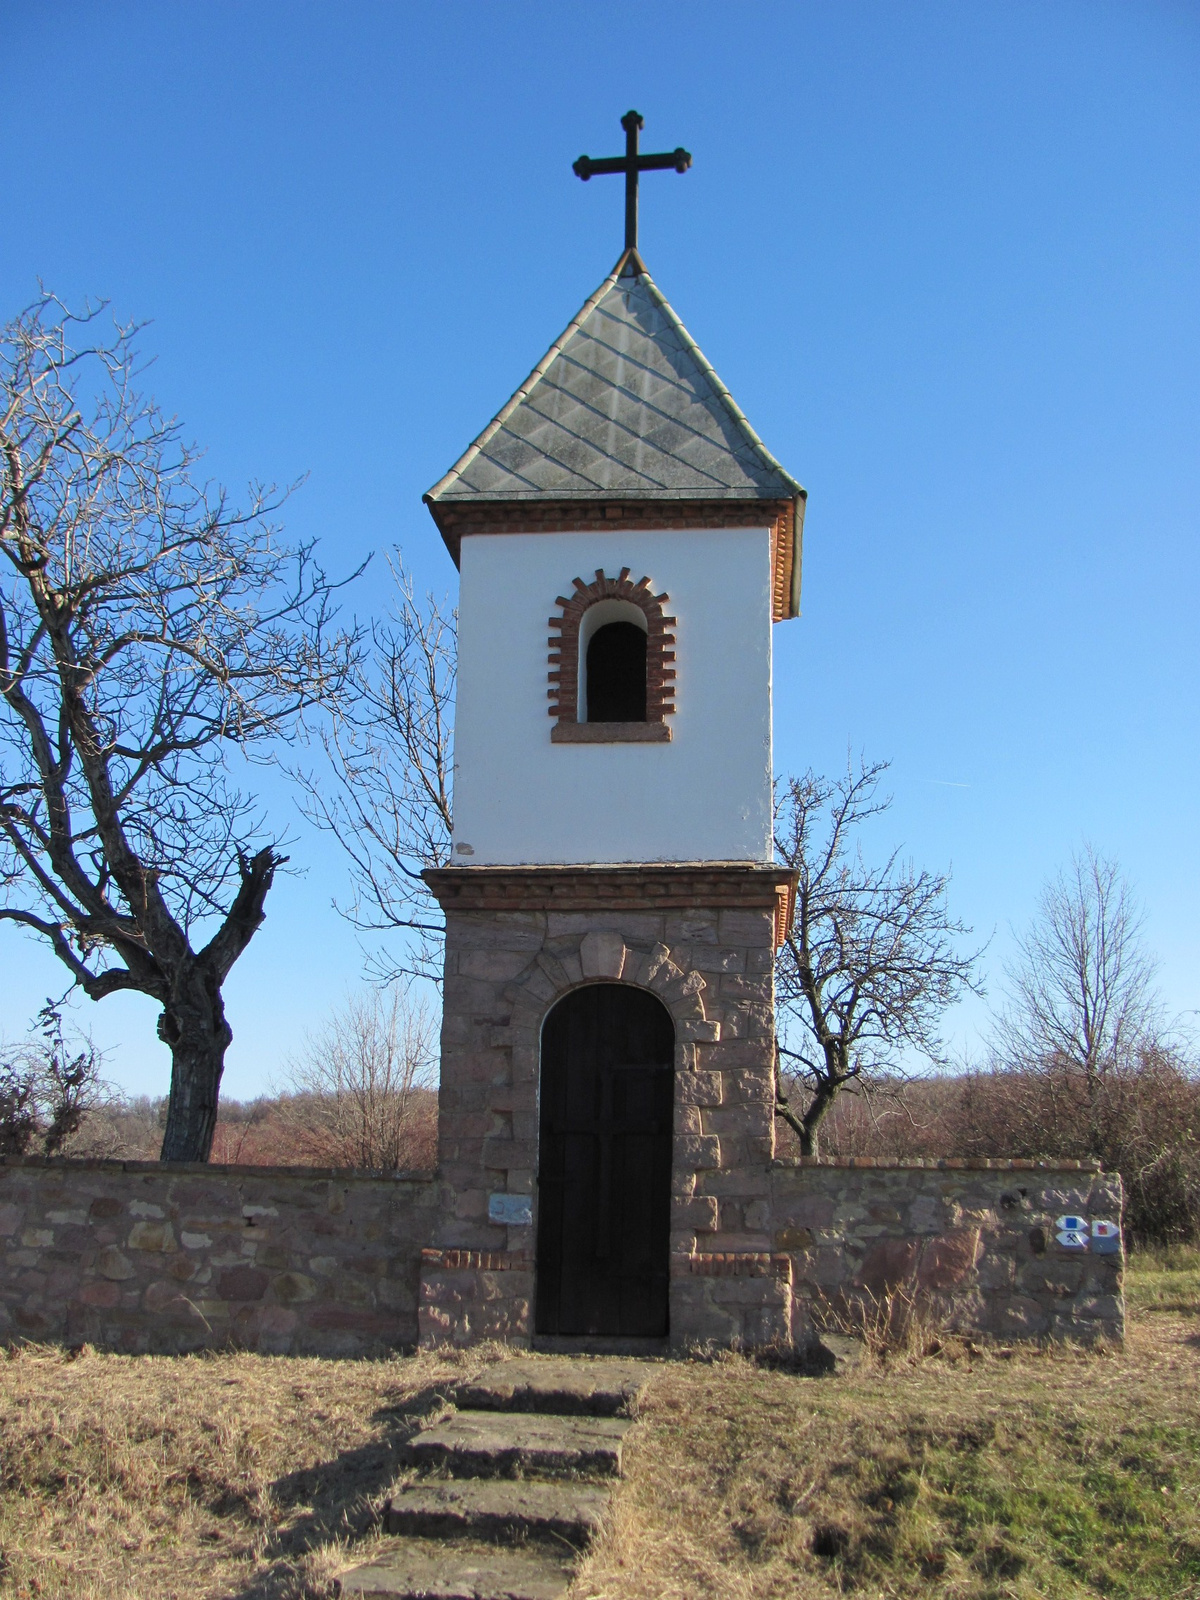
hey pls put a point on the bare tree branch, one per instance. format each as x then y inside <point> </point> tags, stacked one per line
<point>871,961</point>
<point>385,791</point>
<point>150,631</point>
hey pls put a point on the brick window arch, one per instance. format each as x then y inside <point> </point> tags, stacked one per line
<point>564,669</point>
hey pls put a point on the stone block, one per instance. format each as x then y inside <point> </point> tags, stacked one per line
<point>165,1298</point>
<point>697,1152</point>
<point>740,1121</point>
<point>500,1154</point>
<point>1060,1276</point>
<point>712,960</point>
<point>112,1264</point>
<point>748,1183</point>
<point>793,1241</point>
<point>1105,1308</point>
<point>764,1291</point>
<point>1018,1317</point>
<point>699,1212</point>
<point>887,1265</point>
<point>291,1288</point>
<point>683,1181</point>
<point>740,987</point>
<point>747,928</point>
<point>493,966</point>
<point>737,1241</point>
<point>809,1211</point>
<point>947,1261</point>
<point>524,931</point>
<point>698,1029</point>
<point>996,1271</point>
<point>688,1119</point>
<point>242,1283</point>
<point>100,1294</point>
<point>691,927</point>
<point>602,955</point>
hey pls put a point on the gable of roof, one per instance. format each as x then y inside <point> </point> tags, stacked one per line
<point>623,406</point>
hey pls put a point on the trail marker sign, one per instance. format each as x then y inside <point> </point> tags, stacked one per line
<point>1106,1238</point>
<point>1072,1233</point>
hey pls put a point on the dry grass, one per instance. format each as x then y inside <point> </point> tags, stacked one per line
<point>158,1477</point>
<point>966,1475</point>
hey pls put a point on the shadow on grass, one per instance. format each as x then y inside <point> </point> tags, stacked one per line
<point>341,1496</point>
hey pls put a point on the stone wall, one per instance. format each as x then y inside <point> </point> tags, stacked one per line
<point>976,1243</point>
<point>135,1256</point>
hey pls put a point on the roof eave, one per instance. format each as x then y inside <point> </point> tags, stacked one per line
<point>783,515</point>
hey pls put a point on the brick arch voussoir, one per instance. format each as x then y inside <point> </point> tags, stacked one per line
<point>563,672</point>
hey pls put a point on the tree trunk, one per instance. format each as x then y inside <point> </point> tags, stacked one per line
<point>814,1115</point>
<point>805,1128</point>
<point>193,1025</point>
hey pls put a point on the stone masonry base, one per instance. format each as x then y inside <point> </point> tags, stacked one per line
<point>972,1247</point>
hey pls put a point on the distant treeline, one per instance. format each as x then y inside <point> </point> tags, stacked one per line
<point>1144,1124</point>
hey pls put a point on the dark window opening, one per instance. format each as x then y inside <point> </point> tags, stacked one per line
<point>616,674</point>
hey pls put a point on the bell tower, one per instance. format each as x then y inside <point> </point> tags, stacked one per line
<point>625,543</point>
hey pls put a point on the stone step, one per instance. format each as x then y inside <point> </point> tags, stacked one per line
<point>600,1344</point>
<point>494,1444</point>
<point>414,1569</point>
<point>571,1386</point>
<point>497,1508</point>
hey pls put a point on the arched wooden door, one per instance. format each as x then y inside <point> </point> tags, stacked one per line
<point>604,1164</point>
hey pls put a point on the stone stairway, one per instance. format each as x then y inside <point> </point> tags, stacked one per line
<point>510,1487</point>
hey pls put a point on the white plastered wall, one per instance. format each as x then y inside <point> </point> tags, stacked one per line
<point>705,796</point>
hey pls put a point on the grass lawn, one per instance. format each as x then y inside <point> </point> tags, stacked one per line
<point>967,1475</point>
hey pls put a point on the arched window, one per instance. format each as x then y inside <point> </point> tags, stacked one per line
<point>613,635</point>
<point>612,667</point>
<point>616,673</point>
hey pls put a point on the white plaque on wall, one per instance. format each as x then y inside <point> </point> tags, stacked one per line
<point>513,1210</point>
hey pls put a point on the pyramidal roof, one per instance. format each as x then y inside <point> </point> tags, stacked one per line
<point>624,404</point>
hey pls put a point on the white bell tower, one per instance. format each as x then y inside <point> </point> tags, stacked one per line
<point>625,543</point>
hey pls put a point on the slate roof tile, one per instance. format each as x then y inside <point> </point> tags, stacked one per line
<point>623,404</point>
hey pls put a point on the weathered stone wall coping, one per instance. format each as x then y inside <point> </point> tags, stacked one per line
<point>942,1163</point>
<point>229,1169</point>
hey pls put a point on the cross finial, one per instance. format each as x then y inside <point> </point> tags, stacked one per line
<point>631,163</point>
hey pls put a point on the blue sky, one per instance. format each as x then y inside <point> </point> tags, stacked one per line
<point>945,255</point>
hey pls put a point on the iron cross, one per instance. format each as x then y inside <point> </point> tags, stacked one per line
<point>631,163</point>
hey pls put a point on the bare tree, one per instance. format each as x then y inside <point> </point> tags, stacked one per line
<point>386,793</point>
<point>47,1088</point>
<point>362,1093</point>
<point>149,630</point>
<point>1081,1002</point>
<point>871,961</point>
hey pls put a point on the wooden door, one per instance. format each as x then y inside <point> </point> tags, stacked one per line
<point>604,1164</point>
